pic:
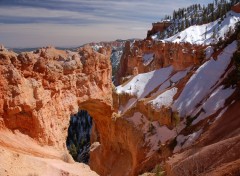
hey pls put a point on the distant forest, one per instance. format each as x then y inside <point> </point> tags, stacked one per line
<point>196,15</point>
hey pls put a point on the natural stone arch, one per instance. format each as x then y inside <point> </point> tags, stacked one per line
<point>40,90</point>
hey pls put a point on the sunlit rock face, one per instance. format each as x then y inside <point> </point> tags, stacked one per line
<point>39,85</point>
<point>147,55</point>
<point>135,126</point>
<point>40,90</point>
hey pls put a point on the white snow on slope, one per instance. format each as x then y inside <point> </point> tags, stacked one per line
<point>202,34</point>
<point>174,79</point>
<point>142,84</point>
<point>214,103</point>
<point>179,75</point>
<point>165,99</point>
<point>209,51</point>
<point>154,135</point>
<point>202,81</point>
<point>147,58</point>
<point>186,141</point>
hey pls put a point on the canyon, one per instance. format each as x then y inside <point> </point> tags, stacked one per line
<point>173,108</point>
<point>39,92</point>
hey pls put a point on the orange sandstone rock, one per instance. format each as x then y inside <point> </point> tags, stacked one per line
<point>180,55</point>
<point>40,90</point>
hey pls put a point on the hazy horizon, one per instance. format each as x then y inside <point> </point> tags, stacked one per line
<point>71,23</point>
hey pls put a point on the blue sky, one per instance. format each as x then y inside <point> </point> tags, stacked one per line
<point>37,23</point>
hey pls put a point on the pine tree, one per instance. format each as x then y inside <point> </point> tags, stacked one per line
<point>214,35</point>
<point>73,151</point>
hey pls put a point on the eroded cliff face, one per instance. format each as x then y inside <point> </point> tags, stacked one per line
<point>148,55</point>
<point>185,113</point>
<point>137,125</point>
<point>158,27</point>
<point>39,91</point>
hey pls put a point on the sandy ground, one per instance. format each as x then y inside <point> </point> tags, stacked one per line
<point>22,156</point>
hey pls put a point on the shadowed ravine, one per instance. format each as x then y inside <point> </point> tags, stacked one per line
<point>78,139</point>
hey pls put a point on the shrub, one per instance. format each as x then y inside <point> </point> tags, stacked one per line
<point>159,171</point>
<point>151,128</point>
<point>175,118</point>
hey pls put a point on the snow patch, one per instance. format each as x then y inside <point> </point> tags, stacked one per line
<point>165,99</point>
<point>186,141</point>
<point>200,84</point>
<point>142,84</point>
<point>173,80</point>
<point>215,102</point>
<point>209,51</point>
<point>155,134</point>
<point>179,75</point>
<point>203,34</point>
<point>148,58</point>
<point>221,113</point>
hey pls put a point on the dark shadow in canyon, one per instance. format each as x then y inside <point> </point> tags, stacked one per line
<point>78,139</point>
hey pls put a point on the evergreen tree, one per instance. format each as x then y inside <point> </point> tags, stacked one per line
<point>73,151</point>
<point>214,35</point>
<point>197,14</point>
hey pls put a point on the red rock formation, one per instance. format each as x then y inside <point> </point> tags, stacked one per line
<point>180,56</point>
<point>158,27</point>
<point>51,83</point>
<point>39,90</point>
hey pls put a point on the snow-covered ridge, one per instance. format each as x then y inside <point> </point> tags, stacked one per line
<point>165,99</point>
<point>202,81</point>
<point>166,92</point>
<point>142,84</point>
<point>208,33</point>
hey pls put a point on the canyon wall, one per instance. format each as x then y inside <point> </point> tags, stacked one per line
<point>158,27</point>
<point>137,125</point>
<point>184,111</point>
<point>40,90</point>
<point>148,55</point>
